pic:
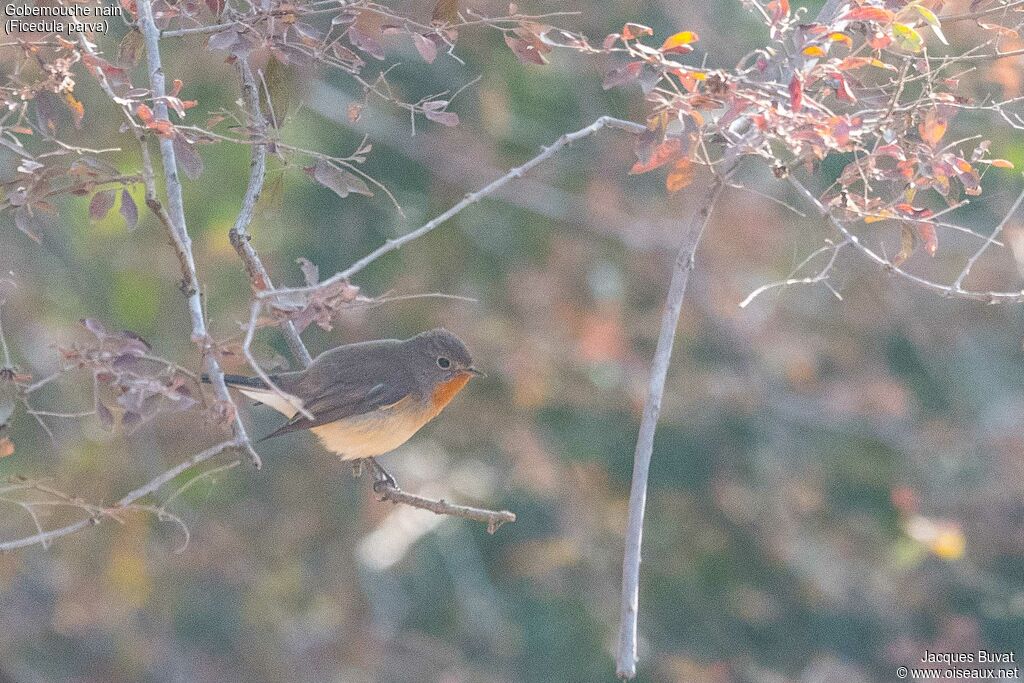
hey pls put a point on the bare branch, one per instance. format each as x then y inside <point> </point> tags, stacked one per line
<point>945,290</point>
<point>822,275</point>
<point>494,519</point>
<point>991,239</point>
<point>179,231</point>
<point>467,201</point>
<point>45,537</point>
<point>239,235</point>
<point>626,652</point>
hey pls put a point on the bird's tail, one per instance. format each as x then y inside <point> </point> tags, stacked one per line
<point>239,381</point>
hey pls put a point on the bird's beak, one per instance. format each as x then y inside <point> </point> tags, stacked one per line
<point>476,373</point>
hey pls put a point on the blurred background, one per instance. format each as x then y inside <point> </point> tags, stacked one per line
<point>836,485</point>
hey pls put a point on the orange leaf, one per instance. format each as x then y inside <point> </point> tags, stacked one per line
<point>6,447</point>
<point>144,113</point>
<point>879,40</point>
<point>814,51</point>
<point>77,109</point>
<point>161,127</point>
<point>1001,163</point>
<point>680,176</point>
<point>661,155</point>
<point>932,128</point>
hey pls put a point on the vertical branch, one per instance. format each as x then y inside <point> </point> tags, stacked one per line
<point>626,655</point>
<point>178,230</point>
<point>3,341</point>
<point>239,235</point>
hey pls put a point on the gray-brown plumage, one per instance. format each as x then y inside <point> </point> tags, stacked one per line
<point>368,398</point>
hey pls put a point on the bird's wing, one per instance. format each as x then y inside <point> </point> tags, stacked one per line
<point>340,385</point>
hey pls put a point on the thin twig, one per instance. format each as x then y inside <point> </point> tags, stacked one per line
<point>945,290</point>
<point>179,231</point>
<point>3,342</point>
<point>626,652</point>
<point>465,202</point>
<point>239,235</point>
<point>128,499</point>
<point>991,239</point>
<point>822,275</point>
<point>492,518</point>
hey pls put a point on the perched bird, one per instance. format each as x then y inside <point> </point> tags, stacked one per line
<point>369,398</point>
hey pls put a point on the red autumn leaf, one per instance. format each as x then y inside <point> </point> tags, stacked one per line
<point>778,9</point>
<point>129,210</point>
<point>796,93</point>
<point>869,14</point>
<point>926,231</point>
<point>101,204</point>
<point>445,118</point>
<point>528,52</point>
<point>631,31</point>
<point>365,42</point>
<point>843,91</point>
<point>189,159</point>
<point>622,75</point>
<point>426,47</point>
<point>661,155</point>
<point>446,12</point>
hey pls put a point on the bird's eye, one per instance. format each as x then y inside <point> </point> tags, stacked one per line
<point>443,363</point>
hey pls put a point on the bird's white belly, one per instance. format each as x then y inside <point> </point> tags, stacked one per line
<point>367,436</point>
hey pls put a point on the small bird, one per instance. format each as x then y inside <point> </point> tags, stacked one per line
<point>369,398</point>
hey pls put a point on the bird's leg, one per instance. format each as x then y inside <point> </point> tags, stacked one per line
<point>357,469</point>
<point>381,476</point>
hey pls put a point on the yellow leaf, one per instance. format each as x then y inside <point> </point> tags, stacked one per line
<point>878,217</point>
<point>933,21</point>
<point>814,51</point>
<point>838,37</point>
<point>949,544</point>
<point>681,38</point>
<point>907,38</point>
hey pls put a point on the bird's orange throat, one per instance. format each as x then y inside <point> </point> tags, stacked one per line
<point>445,391</point>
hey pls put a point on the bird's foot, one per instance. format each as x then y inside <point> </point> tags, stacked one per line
<point>357,469</point>
<point>382,480</point>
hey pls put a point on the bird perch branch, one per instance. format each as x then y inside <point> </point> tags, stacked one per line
<point>626,652</point>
